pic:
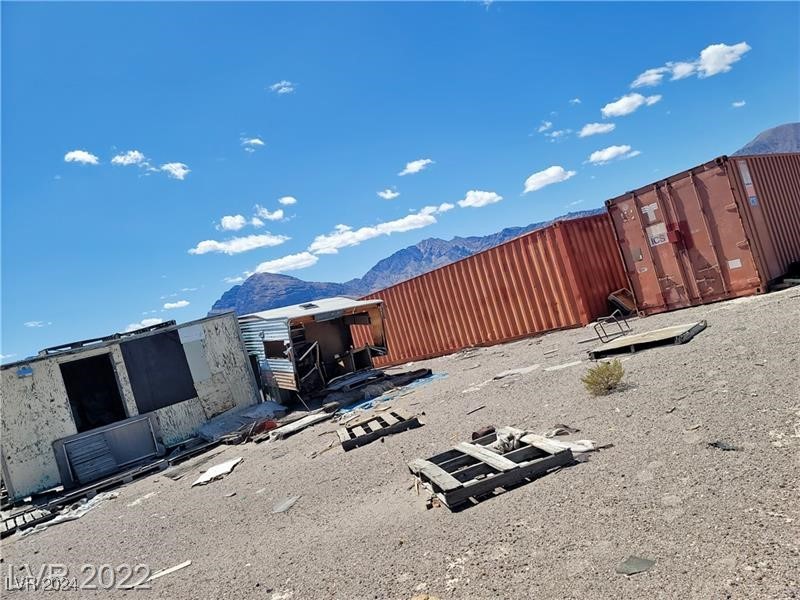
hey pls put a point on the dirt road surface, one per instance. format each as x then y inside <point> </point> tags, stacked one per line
<point>718,524</point>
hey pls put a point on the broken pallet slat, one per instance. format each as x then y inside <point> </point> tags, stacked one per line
<point>391,418</point>
<point>437,475</point>
<point>481,487</point>
<point>287,430</point>
<point>485,455</point>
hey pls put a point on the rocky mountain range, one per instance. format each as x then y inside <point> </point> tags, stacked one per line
<point>263,291</point>
<point>783,138</point>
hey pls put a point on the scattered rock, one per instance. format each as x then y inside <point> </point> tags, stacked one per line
<point>723,445</point>
<point>634,564</point>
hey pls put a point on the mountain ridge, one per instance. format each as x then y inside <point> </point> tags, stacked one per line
<point>262,291</point>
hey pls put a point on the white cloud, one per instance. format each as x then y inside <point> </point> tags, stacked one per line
<point>444,207</point>
<point>256,222</point>
<point>601,157</point>
<point>719,58</point>
<point>282,87</point>
<point>575,101</point>
<point>550,175</point>
<point>131,157</point>
<point>558,134</point>
<point>714,59</point>
<point>232,223</point>
<point>292,262</point>
<point>250,144</point>
<point>178,304</point>
<point>239,244</point>
<point>575,202</point>
<point>237,279</point>
<point>37,323</point>
<point>628,104</point>
<point>142,324</point>
<point>188,289</point>
<point>5,356</point>
<point>343,235</point>
<point>544,126</point>
<point>682,70</point>
<point>388,194</point>
<point>262,212</point>
<point>176,170</point>
<point>287,200</point>
<point>738,104</point>
<point>415,166</point>
<point>479,198</point>
<point>595,129</point>
<point>650,77</point>
<point>81,156</point>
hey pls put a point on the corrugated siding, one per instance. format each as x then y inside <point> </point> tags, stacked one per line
<point>776,179</point>
<point>598,266</point>
<point>255,332</point>
<point>552,278</point>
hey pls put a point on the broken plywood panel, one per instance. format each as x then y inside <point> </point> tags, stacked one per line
<point>676,334</point>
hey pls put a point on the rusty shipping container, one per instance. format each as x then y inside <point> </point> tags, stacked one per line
<point>721,230</point>
<point>555,277</point>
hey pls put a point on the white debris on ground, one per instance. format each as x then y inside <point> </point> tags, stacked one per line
<point>217,471</point>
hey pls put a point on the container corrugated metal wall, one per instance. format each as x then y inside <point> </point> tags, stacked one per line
<point>769,188</point>
<point>720,230</point>
<point>552,278</point>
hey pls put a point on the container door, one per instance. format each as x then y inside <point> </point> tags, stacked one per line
<point>711,235</point>
<point>647,238</point>
<point>683,242</point>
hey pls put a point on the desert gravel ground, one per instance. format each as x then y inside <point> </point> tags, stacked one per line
<point>718,524</point>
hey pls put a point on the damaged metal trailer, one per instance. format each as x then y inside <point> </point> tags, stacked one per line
<point>724,229</point>
<point>83,412</point>
<point>304,349</point>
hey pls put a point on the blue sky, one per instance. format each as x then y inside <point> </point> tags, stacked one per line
<point>216,110</point>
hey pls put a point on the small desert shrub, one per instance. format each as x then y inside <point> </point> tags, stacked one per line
<point>603,378</point>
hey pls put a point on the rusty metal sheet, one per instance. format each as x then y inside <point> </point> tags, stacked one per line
<point>555,277</point>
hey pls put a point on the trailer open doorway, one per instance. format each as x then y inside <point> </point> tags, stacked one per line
<point>93,392</point>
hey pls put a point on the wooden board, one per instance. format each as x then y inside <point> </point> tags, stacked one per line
<point>371,429</point>
<point>676,334</point>
<point>471,470</point>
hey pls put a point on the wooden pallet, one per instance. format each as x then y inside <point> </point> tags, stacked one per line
<point>471,470</point>
<point>375,426</point>
<point>23,520</point>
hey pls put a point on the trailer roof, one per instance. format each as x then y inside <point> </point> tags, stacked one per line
<point>315,307</point>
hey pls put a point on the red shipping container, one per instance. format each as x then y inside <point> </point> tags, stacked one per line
<point>721,230</point>
<point>555,277</point>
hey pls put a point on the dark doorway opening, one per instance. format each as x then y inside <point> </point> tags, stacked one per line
<point>93,392</point>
